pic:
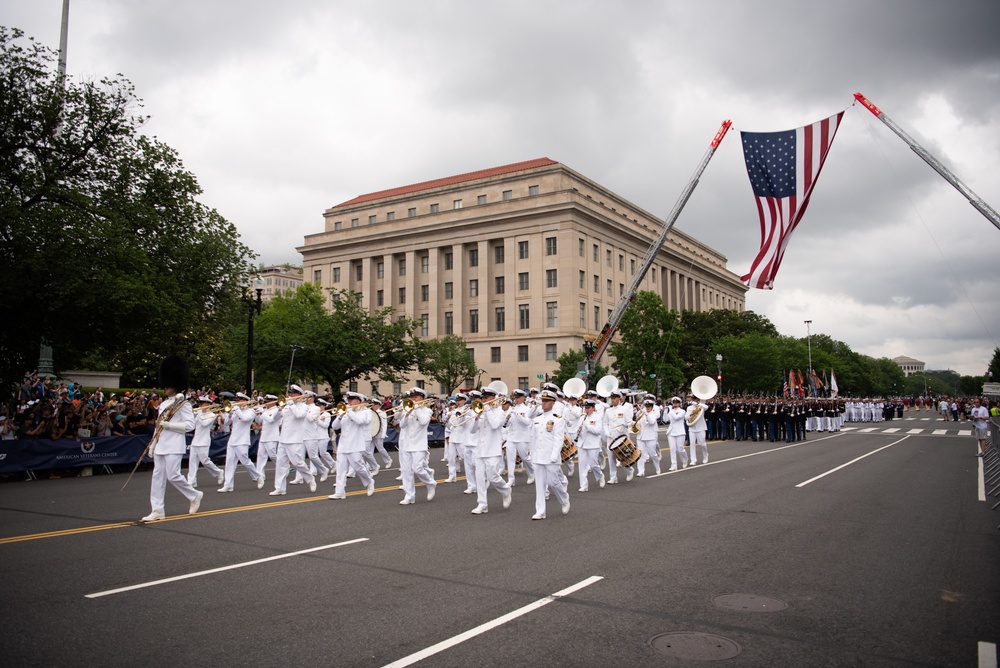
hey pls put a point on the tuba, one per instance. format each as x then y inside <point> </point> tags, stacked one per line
<point>574,387</point>
<point>606,385</point>
<point>703,387</point>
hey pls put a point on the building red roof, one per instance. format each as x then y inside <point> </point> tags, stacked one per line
<point>449,180</point>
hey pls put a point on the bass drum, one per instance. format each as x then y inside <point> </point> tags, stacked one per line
<point>376,424</point>
<point>624,450</point>
<point>568,449</point>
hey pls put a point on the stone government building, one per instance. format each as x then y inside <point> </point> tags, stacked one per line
<point>523,261</point>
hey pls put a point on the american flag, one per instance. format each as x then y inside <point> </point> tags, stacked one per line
<point>783,168</point>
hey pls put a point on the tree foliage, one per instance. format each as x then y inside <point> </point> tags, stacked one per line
<point>448,361</point>
<point>568,368</point>
<point>105,252</point>
<point>648,349</point>
<point>337,345</point>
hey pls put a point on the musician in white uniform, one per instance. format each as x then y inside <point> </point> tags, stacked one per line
<point>317,436</point>
<point>269,419</point>
<point>355,431</point>
<point>460,423</point>
<point>465,435</point>
<point>518,435</point>
<point>489,453</point>
<point>617,420</point>
<point>168,444</point>
<point>696,430</point>
<point>648,438</point>
<point>200,444</point>
<point>676,417</point>
<point>590,434</point>
<point>378,440</point>
<point>238,445</point>
<point>572,413</point>
<point>413,448</point>
<point>547,432</point>
<point>291,448</point>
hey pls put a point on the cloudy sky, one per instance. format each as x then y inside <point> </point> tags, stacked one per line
<point>285,109</point>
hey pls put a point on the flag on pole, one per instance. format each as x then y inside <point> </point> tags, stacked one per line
<point>834,390</point>
<point>802,386</point>
<point>785,388</point>
<point>783,168</point>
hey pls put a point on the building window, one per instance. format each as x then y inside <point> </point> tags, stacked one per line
<point>532,191</point>
<point>402,296</point>
<point>621,262</point>
<point>380,298</point>
<point>449,261</point>
<point>607,257</point>
<point>501,319</point>
<point>425,321</point>
<point>654,275</point>
<point>474,287</point>
<point>583,280</point>
<point>372,219</point>
<point>449,322</point>
<point>473,257</point>
<point>522,382</point>
<point>522,250</point>
<point>552,314</point>
<point>411,212</point>
<point>550,351</point>
<point>508,195</point>
<point>597,317</point>
<point>338,225</point>
<point>551,278</point>
<point>522,280</point>
<point>402,266</point>
<point>336,274</point>
<point>317,276</point>
<point>354,222</point>
<point>380,270</point>
<point>495,354</point>
<point>621,289</point>
<point>582,245</point>
<point>457,204</point>
<point>499,285</point>
<point>449,290</point>
<point>498,254</point>
<point>425,293</point>
<point>522,353</point>
<point>391,215</point>
<point>481,199</point>
<point>472,354</point>
<point>595,252</point>
<point>597,283</point>
<point>473,321</point>
<point>632,264</point>
<point>425,264</point>
<point>609,288</point>
<point>434,208</point>
<point>524,316</point>
<point>550,245</point>
<point>583,315</point>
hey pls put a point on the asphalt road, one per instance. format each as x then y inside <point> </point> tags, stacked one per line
<point>891,560</point>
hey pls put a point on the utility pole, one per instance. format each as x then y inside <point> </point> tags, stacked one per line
<point>812,384</point>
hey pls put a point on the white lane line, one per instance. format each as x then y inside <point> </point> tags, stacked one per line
<point>857,459</point>
<point>965,432</point>
<point>483,628</point>
<point>939,432</point>
<point>981,478</point>
<point>223,568</point>
<point>915,431</point>
<point>869,430</point>
<point>987,655</point>
<point>848,428</point>
<point>733,459</point>
<point>891,430</point>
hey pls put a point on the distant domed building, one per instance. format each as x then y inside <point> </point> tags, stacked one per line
<point>909,365</point>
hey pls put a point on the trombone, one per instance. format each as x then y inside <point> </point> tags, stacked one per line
<point>282,400</point>
<point>409,405</point>
<point>475,410</point>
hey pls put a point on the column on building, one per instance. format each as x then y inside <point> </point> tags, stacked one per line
<point>390,280</point>
<point>434,327</point>
<point>411,284</point>
<point>367,286</point>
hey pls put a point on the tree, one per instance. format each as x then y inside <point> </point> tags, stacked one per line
<point>993,371</point>
<point>649,343</point>
<point>699,330</point>
<point>338,345</point>
<point>104,250</point>
<point>568,363</point>
<point>448,361</point>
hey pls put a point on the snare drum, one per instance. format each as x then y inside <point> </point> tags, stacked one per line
<point>568,449</point>
<point>624,450</point>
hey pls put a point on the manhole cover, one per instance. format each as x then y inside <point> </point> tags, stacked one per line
<point>749,603</point>
<point>695,646</point>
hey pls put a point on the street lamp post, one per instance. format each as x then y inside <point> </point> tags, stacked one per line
<point>718,361</point>
<point>812,385</point>
<point>255,306</point>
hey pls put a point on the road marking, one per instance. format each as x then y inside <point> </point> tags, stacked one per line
<point>965,432</point>
<point>981,478</point>
<point>891,430</point>
<point>203,513</point>
<point>154,583</point>
<point>857,459</point>
<point>939,432</point>
<point>987,655</point>
<point>915,431</point>
<point>733,459</point>
<point>868,430</point>
<point>483,628</point>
